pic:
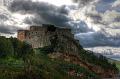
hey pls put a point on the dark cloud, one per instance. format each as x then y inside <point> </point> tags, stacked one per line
<point>98,39</point>
<point>3,17</point>
<point>83,3</point>
<point>34,21</point>
<point>117,19</point>
<point>108,1</point>
<point>80,27</point>
<point>8,29</point>
<point>100,14</point>
<point>47,13</point>
<point>104,5</point>
<point>43,12</point>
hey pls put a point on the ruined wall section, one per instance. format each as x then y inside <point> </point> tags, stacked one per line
<point>38,38</point>
<point>66,44</point>
<point>64,31</point>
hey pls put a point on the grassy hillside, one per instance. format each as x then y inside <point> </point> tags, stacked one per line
<point>116,62</point>
<point>41,67</point>
<point>18,60</point>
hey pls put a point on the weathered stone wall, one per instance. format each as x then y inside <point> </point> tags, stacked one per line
<point>67,44</point>
<point>40,36</point>
<point>37,39</point>
<point>21,35</point>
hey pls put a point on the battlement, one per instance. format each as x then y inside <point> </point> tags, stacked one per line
<point>48,27</point>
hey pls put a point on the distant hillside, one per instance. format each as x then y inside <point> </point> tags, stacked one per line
<point>18,60</point>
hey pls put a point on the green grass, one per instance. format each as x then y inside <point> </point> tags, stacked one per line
<point>10,67</point>
<point>116,62</point>
<point>58,69</point>
<point>41,67</point>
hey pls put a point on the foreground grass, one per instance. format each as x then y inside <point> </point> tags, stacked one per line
<point>41,67</point>
<point>10,68</point>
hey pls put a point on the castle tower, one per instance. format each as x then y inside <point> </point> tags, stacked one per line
<point>21,35</point>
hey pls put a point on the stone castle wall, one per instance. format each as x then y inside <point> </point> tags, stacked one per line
<point>39,36</point>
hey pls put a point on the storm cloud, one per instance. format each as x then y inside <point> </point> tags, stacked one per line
<point>7,29</point>
<point>94,22</point>
<point>43,12</point>
<point>92,39</point>
<point>83,3</point>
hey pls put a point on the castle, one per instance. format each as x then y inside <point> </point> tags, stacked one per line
<point>45,35</point>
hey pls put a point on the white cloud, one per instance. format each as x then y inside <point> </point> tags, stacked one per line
<point>57,2</point>
<point>109,16</point>
<point>110,52</point>
<point>116,3</point>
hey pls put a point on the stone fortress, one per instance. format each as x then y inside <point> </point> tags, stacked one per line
<point>46,35</point>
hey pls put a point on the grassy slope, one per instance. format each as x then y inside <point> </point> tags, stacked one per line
<point>117,63</point>
<point>41,67</point>
<point>62,68</point>
<point>10,67</point>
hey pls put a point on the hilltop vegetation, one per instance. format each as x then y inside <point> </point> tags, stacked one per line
<point>116,62</point>
<point>18,60</point>
<point>11,47</point>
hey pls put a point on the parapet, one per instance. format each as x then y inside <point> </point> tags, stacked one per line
<point>49,27</point>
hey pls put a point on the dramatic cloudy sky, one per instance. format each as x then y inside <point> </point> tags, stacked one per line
<point>96,23</point>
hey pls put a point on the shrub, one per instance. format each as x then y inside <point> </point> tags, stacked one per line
<point>6,47</point>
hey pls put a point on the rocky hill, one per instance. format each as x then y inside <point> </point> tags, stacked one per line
<point>18,60</point>
<point>98,64</point>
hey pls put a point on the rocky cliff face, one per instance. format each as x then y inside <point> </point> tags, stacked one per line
<point>69,50</point>
<point>71,58</point>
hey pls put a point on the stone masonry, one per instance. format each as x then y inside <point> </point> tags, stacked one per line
<point>40,36</point>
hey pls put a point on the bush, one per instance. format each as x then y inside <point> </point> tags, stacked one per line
<point>46,49</point>
<point>21,49</point>
<point>6,47</point>
<point>14,47</point>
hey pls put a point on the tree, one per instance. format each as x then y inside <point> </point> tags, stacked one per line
<point>17,45</point>
<point>6,47</point>
<point>21,49</point>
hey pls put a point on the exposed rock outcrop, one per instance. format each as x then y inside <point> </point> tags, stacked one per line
<point>72,58</point>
